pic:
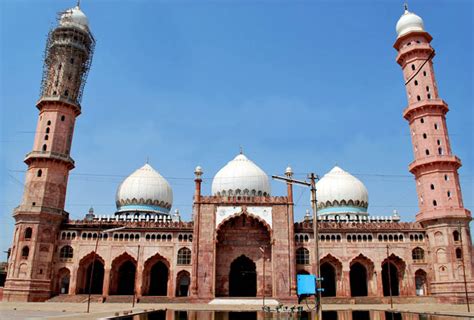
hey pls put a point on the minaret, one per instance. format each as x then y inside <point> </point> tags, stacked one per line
<point>434,167</point>
<point>68,57</point>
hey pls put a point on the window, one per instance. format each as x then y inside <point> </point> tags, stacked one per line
<point>44,147</point>
<point>71,60</point>
<point>48,123</point>
<point>449,194</point>
<point>416,82</point>
<point>435,203</point>
<point>184,256</point>
<point>458,253</point>
<point>424,73</point>
<point>47,130</point>
<point>28,233</point>
<point>413,67</point>
<point>427,89</point>
<point>432,186</point>
<point>39,173</point>
<point>63,118</point>
<point>436,126</point>
<point>25,252</point>
<point>418,254</point>
<point>446,177</point>
<point>440,151</point>
<point>438,142</point>
<point>428,96</point>
<point>427,152</point>
<point>302,256</point>
<point>456,236</point>
<point>46,137</point>
<point>422,120</point>
<point>418,98</point>
<point>66,252</point>
<point>424,136</point>
<point>66,93</point>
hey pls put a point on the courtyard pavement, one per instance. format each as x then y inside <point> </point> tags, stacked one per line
<point>70,311</point>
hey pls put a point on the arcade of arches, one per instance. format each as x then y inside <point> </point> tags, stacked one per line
<point>242,244</point>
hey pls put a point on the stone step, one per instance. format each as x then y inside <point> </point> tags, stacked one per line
<point>119,299</point>
<point>76,298</point>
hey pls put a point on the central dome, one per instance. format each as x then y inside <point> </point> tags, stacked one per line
<point>241,177</point>
<point>145,190</point>
<point>339,192</point>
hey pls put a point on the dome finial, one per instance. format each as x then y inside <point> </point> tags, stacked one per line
<point>78,3</point>
<point>405,6</point>
<point>241,150</point>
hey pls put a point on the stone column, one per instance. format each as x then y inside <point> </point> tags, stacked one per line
<point>105,287</point>
<point>73,280</point>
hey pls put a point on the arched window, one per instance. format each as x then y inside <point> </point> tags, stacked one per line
<point>28,233</point>
<point>424,136</point>
<point>458,253</point>
<point>456,236</point>
<point>432,187</point>
<point>66,252</point>
<point>418,254</point>
<point>302,256</point>
<point>416,82</point>
<point>184,256</point>
<point>44,147</point>
<point>413,67</point>
<point>435,203</point>
<point>25,252</point>
<point>427,152</point>
<point>39,173</point>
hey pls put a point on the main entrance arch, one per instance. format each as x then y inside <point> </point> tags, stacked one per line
<point>156,276</point>
<point>243,278</point>
<point>90,266</point>
<point>243,243</point>
<point>123,275</point>
<point>358,280</point>
<point>328,273</point>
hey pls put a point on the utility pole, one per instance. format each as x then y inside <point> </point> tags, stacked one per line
<point>314,206</point>
<point>389,279</point>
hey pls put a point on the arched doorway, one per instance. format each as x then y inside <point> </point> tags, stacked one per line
<point>421,282</point>
<point>182,284</point>
<point>328,273</point>
<point>390,279</point>
<point>246,235</point>
<point>158,280</point>
<point>84,275</point>
<point>126,276</point>
<point>242,278</point>
<point>62,284</point>
<point>358,280</point>
<point>122,275</point>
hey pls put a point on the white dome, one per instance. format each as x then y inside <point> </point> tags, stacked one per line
<point>241,177</point>
<point>145,190</point>
<point>409,22</point>
<point>340,192</point>
<point>74,17</point>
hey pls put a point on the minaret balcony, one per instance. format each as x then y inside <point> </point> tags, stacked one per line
<point>413,51</point>
<point>71,103</point>
<point>46,155</point>
<point>434,163</point>
<point>428,107</point>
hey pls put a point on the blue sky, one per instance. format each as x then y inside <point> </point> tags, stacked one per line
<point>184,83</point>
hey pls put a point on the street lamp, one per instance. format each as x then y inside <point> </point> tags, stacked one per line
<point>100,231</point>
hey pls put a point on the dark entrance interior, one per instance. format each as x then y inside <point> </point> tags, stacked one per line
<point>158,280</point>
<point>243,278</point>
<point>97,278</point>
<point>126,278</point>
<point>392,282</point>
<point>358,279</point>
<point>328,273</point>
<point>182,284</point>
<point>360,315</point>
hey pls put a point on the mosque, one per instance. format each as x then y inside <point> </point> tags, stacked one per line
<point>242,240</point>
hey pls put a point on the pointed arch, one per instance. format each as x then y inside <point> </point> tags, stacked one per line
<point>91,264</point>
<point>421,282</point>
<point>122,275</point>
<point>331,270</point>
<point>183,280</point>
<point>361,270</point>
<point>63,277</point>
<point>246,214</point>
<point>156,276</point>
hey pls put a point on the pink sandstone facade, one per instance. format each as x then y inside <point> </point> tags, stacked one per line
<point>242,241</point>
